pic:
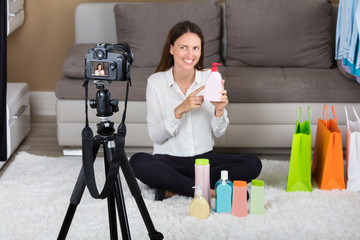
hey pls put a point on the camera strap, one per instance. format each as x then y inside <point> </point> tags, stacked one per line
<point>128,84</point>
<point>89,156</point>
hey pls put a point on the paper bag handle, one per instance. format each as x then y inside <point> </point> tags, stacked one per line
<point>346,114</point>
<point>325,107</point>
<point>333,112</point>
<point>299,114</point>
<point>357,117</point>
<point>334,115</point>
<point>309,112</point>
<point>309,115</point>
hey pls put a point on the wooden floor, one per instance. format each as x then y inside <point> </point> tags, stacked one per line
<point>41,139</point>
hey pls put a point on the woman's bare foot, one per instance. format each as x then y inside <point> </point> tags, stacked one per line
<point>212,193</point>
<point>169,194</point>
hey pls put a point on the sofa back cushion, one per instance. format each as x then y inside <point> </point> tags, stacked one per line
<point>74,64</point>
<point>145,27</point>
<point>279,33</point>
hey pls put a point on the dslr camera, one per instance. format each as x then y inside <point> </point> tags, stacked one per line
<point>109,62</point>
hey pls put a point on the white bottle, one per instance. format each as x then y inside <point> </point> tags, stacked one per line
<point>213,85</point>
<point>199,207</point>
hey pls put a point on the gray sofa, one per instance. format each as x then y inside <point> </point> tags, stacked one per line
<point>277,55</point>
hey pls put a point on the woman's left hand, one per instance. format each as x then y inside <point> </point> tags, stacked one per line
<point>220,106</point>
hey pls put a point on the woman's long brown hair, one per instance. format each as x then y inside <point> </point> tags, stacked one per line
<point>167,60</point>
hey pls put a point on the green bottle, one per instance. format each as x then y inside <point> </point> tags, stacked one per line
<point>257,197</point>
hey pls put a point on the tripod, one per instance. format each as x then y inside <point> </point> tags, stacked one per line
<point>114,156</point>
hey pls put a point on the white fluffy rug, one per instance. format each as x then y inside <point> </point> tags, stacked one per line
<point>35,193</point>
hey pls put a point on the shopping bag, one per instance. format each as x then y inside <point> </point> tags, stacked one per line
<point>352,173</point>
<point>299,176</point>
<point>328,164</point>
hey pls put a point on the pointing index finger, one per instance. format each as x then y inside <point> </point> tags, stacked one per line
<point>198,90</point>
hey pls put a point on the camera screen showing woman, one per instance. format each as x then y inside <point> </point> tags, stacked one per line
<point>99,70</point>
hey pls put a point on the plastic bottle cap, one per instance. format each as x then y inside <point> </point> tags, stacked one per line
<point>214,67</point>
<point>224,175</point>
<point>257,182</point>
<point>238,183</point>
<point>202,161</point>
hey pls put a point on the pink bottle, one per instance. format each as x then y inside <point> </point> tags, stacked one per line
<point>239,203</point>
<point>213,85</point>
<point>202,178</point>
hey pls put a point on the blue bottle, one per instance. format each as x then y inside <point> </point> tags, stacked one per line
<point>223,191</point>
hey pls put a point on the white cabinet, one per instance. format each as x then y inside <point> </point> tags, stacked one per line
<point>15,13</point>
<point>18,115</point>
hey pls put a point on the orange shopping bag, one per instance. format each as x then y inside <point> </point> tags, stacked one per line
<point>328,163</point>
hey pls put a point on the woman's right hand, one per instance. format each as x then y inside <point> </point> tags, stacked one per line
<point>190,103</point>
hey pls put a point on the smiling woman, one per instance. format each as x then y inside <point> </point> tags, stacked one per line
<point>186,51</point>
<point>183,35</point>
<point>181,124</point>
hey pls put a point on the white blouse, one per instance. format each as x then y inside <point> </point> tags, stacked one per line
<point>193,133</point>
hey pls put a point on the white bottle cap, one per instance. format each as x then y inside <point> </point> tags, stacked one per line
<point>224,175</point>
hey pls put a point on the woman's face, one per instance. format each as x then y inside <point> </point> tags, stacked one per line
<point>99,67</point>
<point>186,51</point>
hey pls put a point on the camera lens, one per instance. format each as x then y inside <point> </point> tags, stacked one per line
<point>100,54</point>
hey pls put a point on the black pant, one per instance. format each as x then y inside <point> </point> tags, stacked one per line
<point>177,174</point>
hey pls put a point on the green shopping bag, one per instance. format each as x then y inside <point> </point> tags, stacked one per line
<point>299,177</point>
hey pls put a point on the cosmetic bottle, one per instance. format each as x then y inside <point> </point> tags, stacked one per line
<point>239,202</point>
<point>202,178</point>
<point>213,85</point>
<point>199,207</point>
<point>223,191</point>
<point>257,197</point>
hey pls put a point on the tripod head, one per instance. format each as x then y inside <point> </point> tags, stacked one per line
<point>105,107</point>
<point>103,103</point>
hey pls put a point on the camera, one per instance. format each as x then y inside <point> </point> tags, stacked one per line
<point>108,62</point>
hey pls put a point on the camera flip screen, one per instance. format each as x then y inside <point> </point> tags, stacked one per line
<point>100,69</point>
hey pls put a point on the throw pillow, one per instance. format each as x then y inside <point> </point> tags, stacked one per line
<point>279,33</point>
<point>145,27</point>
<point>74,64</point>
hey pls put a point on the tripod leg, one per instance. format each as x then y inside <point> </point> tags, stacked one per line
<point>75,198</point>
<point>74,202</point>
<point>67,221</point>
<point>119,197</point>
<point>111,206</point>
<point>136,193</point>
<point>125,230</point>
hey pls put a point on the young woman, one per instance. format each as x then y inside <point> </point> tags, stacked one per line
<point>182,125</point>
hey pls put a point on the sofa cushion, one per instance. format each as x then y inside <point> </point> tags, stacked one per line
<point>279,33</point>
<point>288,85</point>
<point>74,64</point>
<point>145,27</point>
<point>345,73</point>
